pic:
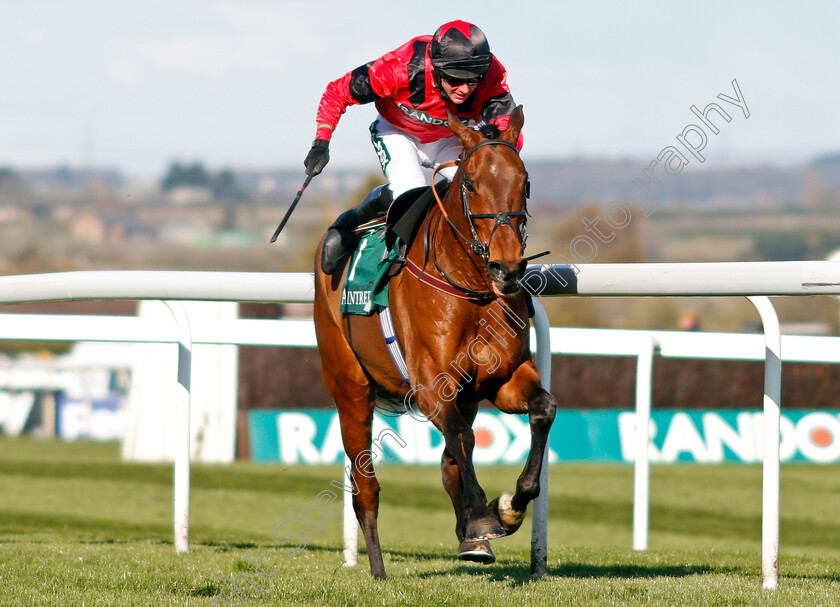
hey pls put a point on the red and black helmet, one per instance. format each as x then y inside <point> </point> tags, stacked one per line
<point>460,50</point>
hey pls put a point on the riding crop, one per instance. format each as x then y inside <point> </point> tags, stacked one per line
<point>291,208</point>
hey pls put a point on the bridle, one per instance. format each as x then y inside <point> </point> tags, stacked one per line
<point>475,244</point>
<point>482,249</point>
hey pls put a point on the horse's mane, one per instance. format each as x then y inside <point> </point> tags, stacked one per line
<point>489,130</point>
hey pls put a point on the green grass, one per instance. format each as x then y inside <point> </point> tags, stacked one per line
<point>79,527</point>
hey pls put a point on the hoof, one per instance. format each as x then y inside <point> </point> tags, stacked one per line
<point>485,528</point>
<point>477,552</point>
<point>509,518</point>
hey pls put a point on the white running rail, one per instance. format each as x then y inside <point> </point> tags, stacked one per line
<point>755,280</point>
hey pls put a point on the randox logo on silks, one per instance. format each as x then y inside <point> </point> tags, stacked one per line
<point>314,437</point>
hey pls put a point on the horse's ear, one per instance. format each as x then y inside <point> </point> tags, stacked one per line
<point>465,135</point>
<point>517,119</point>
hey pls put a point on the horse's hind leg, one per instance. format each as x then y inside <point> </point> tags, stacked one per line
<point>524,387</point>
<point>350,388</point>
<point>352,396</point>
<point>356,418</point>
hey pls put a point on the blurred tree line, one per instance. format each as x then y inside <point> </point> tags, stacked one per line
<point>12,188</point>
<point>221,183</point>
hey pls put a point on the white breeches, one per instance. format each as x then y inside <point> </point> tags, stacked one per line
<point>403,157</point>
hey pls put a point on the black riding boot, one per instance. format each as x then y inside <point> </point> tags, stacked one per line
<point>341,237</point>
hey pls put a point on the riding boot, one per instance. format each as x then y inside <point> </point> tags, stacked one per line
<point>341,237</point>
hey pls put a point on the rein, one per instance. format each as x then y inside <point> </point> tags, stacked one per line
<point>479,248</point>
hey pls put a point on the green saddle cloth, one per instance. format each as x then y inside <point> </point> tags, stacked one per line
<point>366,285</point>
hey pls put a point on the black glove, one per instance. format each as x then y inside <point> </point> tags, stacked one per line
<point>318,157</point>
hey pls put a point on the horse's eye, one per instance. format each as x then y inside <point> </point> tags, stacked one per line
<point>468,185</point>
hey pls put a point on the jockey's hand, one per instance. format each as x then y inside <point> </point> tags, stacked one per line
<point>318,157</point>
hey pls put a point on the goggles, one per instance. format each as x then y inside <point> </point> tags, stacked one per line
<point>455,82</point>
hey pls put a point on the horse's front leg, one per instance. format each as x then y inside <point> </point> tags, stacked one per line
<point>477,551</point>
<point>458,436</point>
<point>482,523</point>
<point>459,440</point>
<point>524,393</point>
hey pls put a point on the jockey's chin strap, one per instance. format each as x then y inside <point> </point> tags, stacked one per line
<point>482,249</point>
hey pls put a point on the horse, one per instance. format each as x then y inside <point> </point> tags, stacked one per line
<point>460,314</point>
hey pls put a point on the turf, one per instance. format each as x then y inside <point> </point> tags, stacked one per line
<point>80,527</point>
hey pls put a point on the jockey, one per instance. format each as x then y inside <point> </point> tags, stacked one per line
<point>412,88</point>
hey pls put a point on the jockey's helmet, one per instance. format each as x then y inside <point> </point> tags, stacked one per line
<point>460,50</point>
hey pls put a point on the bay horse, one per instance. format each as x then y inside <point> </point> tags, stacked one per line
<point>461,316</point>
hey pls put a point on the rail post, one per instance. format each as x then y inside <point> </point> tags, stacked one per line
<point>772,431</point>
<point>182,428</point>
<point>539,523</point>
<point>641,468</point>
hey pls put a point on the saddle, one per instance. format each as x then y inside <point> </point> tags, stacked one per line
<point>406,213</point>
<point>380,253</point>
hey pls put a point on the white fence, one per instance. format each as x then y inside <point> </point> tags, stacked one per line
<point>755,280</point>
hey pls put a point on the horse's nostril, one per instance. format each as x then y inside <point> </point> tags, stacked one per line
<point>497,270</point>
<point>501,272</point>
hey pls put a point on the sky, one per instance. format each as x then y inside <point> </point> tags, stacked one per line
<point>135,85</point>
